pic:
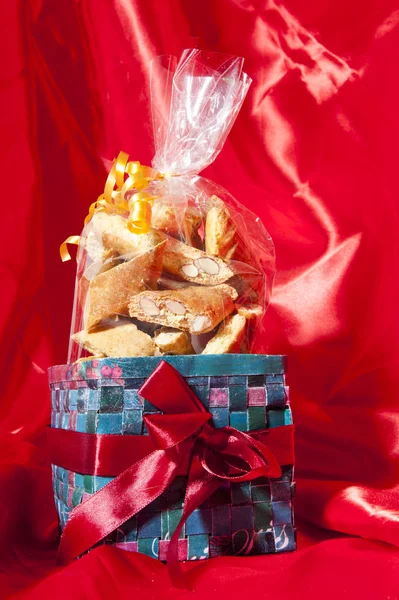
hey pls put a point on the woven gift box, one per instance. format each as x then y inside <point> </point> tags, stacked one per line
<point>244,392</point>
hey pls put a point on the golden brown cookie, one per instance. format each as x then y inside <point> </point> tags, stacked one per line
<point>109,259</point>
<point>101,222</point>
<point>175,219</point>
<point>194,265</point>
<point>109,293</point>
<point>130,244</point>
<point>220,233</point>
<point>250,311</point>
<point>228,337</point>
<point>121,339</point>
<point>173,341</point>
<point>195,309</point>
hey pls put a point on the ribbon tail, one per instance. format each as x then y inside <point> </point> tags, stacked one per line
<point>72,239</point>
<point>119,500</point>
<point>200,486</point>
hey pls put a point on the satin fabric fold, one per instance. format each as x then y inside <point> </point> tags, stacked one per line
<point>314,154</point>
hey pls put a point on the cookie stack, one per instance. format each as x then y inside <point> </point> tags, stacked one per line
<point>185,287</point>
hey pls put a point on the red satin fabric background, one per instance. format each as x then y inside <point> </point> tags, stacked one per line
<point>314,152</point>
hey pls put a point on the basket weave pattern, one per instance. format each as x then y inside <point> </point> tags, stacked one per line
<point>255,517</point>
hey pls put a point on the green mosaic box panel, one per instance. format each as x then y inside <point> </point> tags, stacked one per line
<point>248,392</point>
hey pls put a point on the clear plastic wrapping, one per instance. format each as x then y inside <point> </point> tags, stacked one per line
<point>169,262</point>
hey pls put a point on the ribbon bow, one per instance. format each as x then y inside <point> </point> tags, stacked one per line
<point>138,206</point>
<point>180,441</point>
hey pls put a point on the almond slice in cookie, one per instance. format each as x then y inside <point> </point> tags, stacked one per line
<point>204,307</point>
<point>194,265</point>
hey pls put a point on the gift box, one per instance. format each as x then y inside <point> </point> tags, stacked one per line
<point>183,448</point>
<point>200,462</point>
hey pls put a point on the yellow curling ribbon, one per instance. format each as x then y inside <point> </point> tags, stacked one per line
<point>137,209</point>
<point>139,220</point>
<point>73,239</point>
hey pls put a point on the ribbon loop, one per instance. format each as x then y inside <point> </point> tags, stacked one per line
<point>113,199</point>
<point>231,454</point>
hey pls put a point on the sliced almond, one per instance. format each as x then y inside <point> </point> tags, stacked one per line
<point>200,323</point>
<point>208,265</point>
<point>175,307</point>
<point>149,307</point>
<point>190,270</point>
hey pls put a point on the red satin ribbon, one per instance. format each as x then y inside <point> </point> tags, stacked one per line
<point>179,441</point>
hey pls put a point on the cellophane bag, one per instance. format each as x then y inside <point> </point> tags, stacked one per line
<point>168,261</point>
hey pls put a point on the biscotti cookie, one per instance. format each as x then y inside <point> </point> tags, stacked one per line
<point>148,328</point>
<point>132,244</point>
<point>248,282</point>
<point>92,240</point>
<point>220,233</point>
<point>100,223</point>
<point>194,265</point>
<point>176,220</point>
<point>228,337</point>
<point>109,259</point>
<point>93,245</point>
<point>109,292</point>
<point>173,341</point>
<point>195,309</point>
<point>121,339</point>
<point>252,311</point>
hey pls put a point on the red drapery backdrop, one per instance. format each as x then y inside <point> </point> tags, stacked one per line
<point>314,152</point>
